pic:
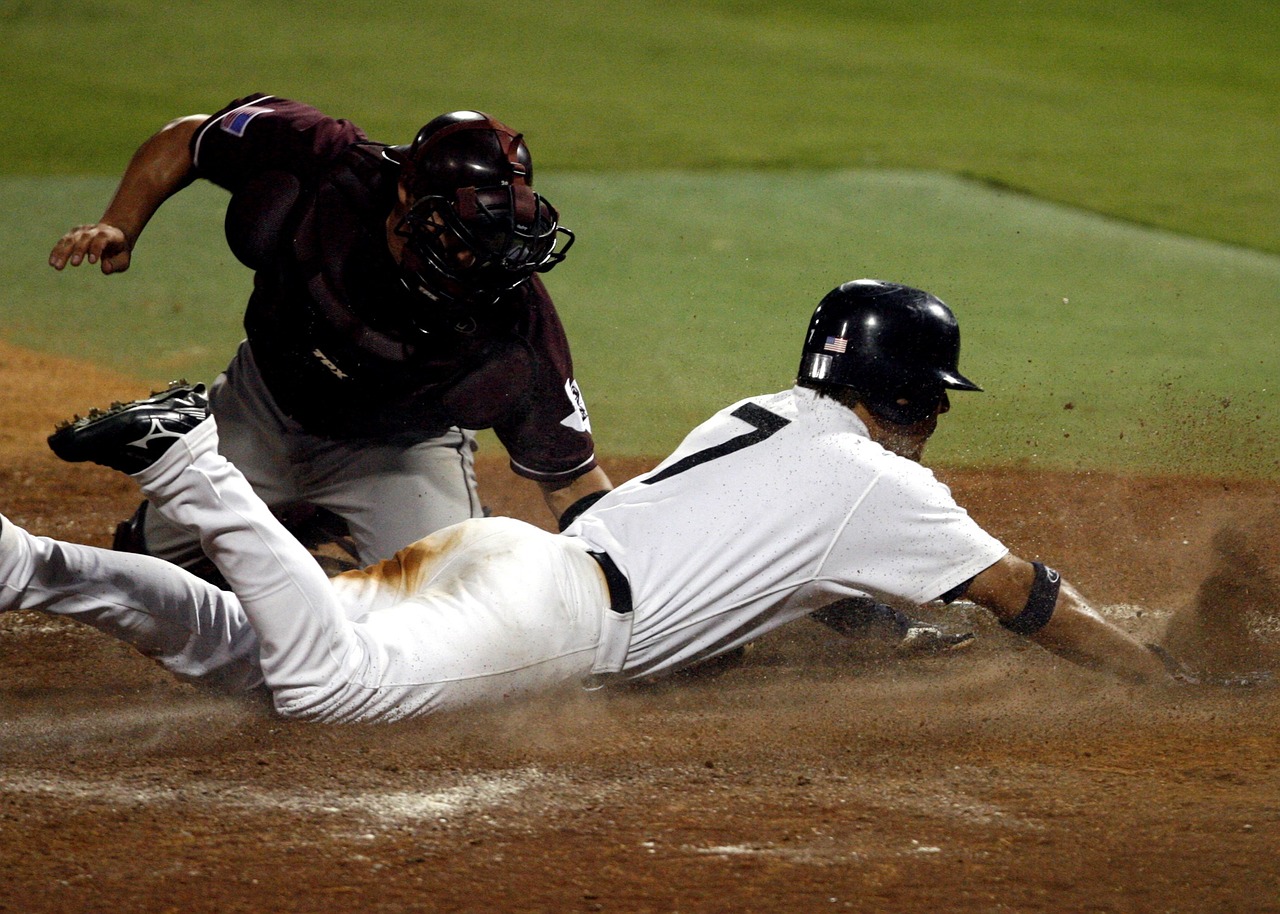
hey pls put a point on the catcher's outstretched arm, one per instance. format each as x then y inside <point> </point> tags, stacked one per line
<point>1060,619</point>
<point>160,168</point>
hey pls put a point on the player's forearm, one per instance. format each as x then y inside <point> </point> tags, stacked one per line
<point>560,498</point>
<point>1078,632</point>
<point>160,168</point>
<point>1049,611</point>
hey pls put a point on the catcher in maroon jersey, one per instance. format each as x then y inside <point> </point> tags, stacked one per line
<point>396,307</point>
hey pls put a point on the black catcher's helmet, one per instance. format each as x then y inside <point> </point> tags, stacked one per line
<point>897,347</point>
<point>474,223</point>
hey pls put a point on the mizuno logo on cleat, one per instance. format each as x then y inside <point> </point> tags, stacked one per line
<point>157,433</point>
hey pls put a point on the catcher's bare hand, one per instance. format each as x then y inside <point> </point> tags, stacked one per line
<point>99,243</point>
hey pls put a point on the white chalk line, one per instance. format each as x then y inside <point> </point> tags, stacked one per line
<point>475,793</point>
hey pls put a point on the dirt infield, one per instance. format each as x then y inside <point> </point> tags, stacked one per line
<point>811,778</point>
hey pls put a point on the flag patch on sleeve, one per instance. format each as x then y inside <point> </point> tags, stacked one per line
<point>236,122</point>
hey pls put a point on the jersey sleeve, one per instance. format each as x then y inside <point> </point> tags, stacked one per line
<point>549,438</point>
<point>261,133</point>
<point>911,540</point>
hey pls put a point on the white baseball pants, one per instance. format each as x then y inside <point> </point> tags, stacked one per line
<point>390,493</point>
<point>482,611</point>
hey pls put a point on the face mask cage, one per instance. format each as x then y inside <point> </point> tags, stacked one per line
<point>485,242</point>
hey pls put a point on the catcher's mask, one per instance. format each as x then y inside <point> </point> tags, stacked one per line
<point>897,347</point>
<point>474,225</point>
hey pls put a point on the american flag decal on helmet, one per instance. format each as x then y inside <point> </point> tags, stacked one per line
<point>836,344</point>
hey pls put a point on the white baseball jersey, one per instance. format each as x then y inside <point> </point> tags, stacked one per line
<point>774,507</point>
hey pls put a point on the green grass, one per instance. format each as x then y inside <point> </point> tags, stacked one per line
<point>725,163</point>
<point>1100,343</point>
<point>1157,111</point>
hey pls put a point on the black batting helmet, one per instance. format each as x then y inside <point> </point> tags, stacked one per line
<point>897,347</point>
<point>474,221</point>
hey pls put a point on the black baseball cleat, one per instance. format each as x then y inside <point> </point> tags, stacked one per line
<point>130,437</point>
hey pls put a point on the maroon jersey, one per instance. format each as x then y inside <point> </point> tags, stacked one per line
<point>345,349</point>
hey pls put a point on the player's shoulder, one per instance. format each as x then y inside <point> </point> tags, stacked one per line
<point>782,404</point>
<point>827,421</point>
<point>281,124</point>
<point>907,481</point>
<point>837,434</point>
<point>529,312</point>
<point>530,296</point>
<point>238,114</point>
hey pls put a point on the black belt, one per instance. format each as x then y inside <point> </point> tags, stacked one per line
<point>619,586</point>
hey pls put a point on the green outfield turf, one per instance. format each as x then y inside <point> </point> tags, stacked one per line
<point>1100,343</point>
<point>724,164</point>
<point>1159,111</point>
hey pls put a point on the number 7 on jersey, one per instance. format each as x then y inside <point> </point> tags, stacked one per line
<point>760,419</point>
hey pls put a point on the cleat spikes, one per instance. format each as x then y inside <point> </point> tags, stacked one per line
<point>130,437</point>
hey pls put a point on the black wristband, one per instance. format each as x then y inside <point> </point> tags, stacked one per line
<point>572,512</point>
<point>1040,603</point>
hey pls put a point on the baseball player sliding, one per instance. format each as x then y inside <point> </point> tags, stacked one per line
<point>776,507</point>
